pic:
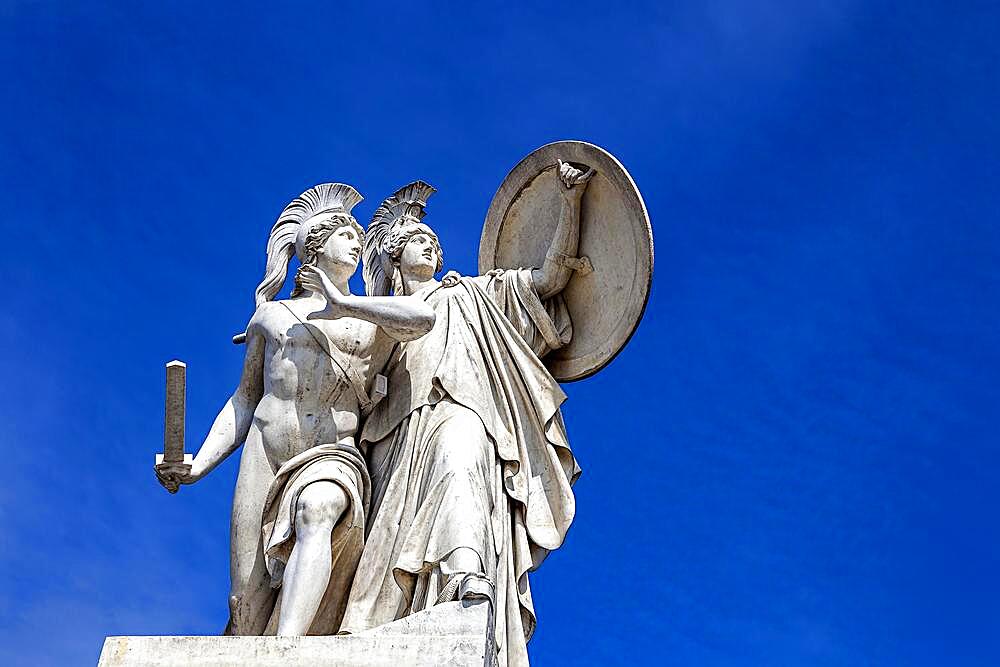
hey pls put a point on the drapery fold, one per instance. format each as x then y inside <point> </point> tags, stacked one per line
<point>468,452</point>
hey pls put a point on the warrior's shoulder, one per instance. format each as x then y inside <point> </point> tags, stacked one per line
<point>268,317</point>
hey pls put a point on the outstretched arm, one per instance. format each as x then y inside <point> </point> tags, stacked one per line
<point>557,270</point>
<point>233,422</point>
<point>401,317</point>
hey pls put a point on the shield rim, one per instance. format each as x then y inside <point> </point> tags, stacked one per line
<point>529,167</point>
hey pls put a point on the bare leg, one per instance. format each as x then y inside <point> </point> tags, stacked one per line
<point>251,599</point>
<point>307,574</point>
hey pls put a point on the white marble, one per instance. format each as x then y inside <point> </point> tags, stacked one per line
<point>400,520</point>
<point>607,296</point>
<point>310,368</point>
<point>470,464</point>
<point>450,635</point>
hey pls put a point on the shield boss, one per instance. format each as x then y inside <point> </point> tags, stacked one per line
<point>606,303</point>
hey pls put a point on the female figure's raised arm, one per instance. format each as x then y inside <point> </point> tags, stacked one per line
<point>401,317</point>
<point>555,272</point>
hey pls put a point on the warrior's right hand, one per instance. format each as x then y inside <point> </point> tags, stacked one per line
<point>172,475</point>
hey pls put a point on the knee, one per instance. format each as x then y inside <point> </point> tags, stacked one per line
<point>319,506</point>
<point>463,445</point>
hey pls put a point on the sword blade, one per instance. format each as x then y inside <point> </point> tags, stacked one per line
<point>173,423</point>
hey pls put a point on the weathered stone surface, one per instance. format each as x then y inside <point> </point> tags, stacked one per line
<point>607,294</point>
<point>373,517</point>
<point>307,376</point>
<point>468,456</point>
<point>454,634</point>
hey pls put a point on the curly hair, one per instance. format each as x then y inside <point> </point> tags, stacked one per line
<point>317,236</point>
<point>401,235</point>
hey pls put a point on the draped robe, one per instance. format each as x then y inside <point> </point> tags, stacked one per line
<point>344,466</point>
<point>468,451</point>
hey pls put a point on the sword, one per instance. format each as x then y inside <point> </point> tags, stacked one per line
<point>173,461</point>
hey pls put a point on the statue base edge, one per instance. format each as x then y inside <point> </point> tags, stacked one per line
<point>455,634</point>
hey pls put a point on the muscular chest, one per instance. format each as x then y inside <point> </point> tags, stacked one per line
<point>322,347</point>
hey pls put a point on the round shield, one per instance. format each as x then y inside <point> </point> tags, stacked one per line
<point>607,293</point>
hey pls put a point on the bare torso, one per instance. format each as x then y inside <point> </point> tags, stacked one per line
<point>307,400</point>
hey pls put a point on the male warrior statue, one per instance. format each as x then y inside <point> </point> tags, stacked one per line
<point>299,507</point>
<point>470,465</point>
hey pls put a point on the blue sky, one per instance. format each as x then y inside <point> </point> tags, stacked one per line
<point>795,460</point>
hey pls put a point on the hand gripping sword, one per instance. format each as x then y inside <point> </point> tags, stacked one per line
<point>173,461</point>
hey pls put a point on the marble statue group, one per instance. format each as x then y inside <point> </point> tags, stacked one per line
<point>406,448</point>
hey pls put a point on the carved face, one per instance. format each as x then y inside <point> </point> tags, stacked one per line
<point>341,250</point>
<point>419,258</point>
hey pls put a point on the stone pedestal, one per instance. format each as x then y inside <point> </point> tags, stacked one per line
<point>454,634</point>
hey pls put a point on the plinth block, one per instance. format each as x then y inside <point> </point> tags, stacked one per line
<point>453,634</point>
